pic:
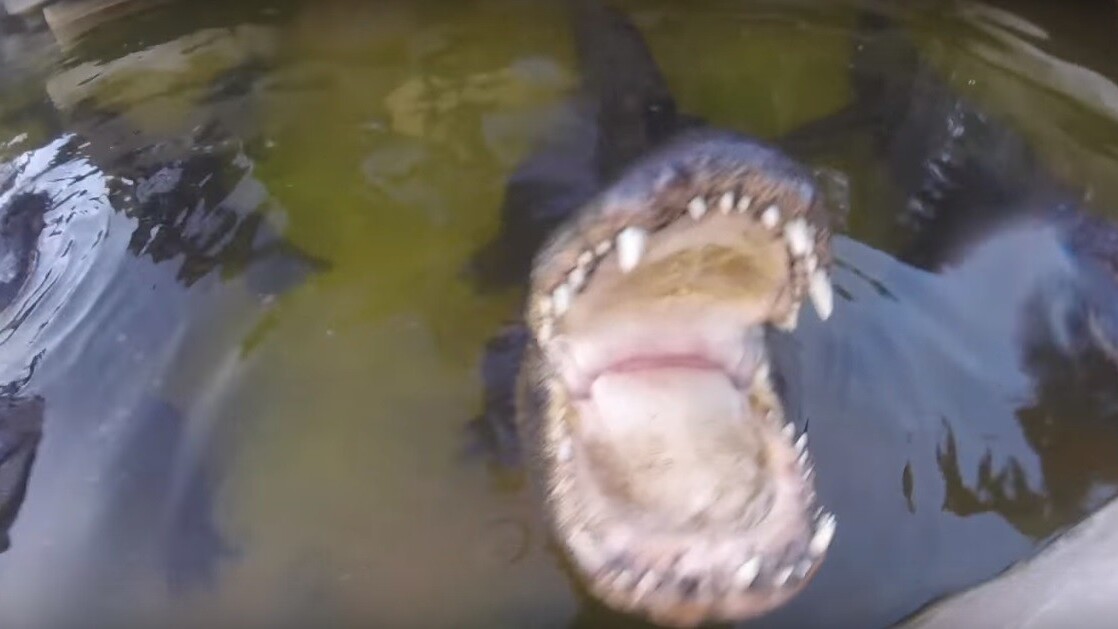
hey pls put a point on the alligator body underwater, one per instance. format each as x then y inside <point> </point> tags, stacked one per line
<point>666,374</point>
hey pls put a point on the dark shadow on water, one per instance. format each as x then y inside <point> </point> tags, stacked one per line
<point>162,503</point>
<point>21,429</point>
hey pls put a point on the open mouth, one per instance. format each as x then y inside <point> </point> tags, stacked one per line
<point>673,478</point>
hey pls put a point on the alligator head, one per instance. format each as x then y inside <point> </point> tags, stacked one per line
<point>668,470</point>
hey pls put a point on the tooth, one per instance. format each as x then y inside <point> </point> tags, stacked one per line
<point>796,233</point>
<point>586,550</point>
<point>564,451</point>
<point>824,533</point>
<point>780,578</point>
<point>788,430</point>
<point>744,203</point>
<point>802,458</point>
<point>561,299</point>
<point>803,568</point>
<point>726,203</point>
<point>630,247</point>
<point>577,278</point>
<point>790,322</point>
<point>645,584</point>
<point>603,247</point>
<point>821,293</point>
<point>747,573</point>
<point>770,217</point>
<point>763,371</point>
<point>801,443</point>
<point>697,208</point>
<point>585,258</point>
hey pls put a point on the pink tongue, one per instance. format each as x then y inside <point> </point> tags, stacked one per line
<point>642,363</point>
<point>663,403</point>
<point>664,400</point>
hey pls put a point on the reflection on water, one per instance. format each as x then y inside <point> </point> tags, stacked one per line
<point>249,323</point>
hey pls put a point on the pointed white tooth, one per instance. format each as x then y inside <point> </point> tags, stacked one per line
<point>788,431</point>
<point>630,247</point>
<point>824,533</point>
<point>585,258</point>
<point>561,299</point>
<point>762,373</point>
<point>801,444</point>
<point>796,233</point>
<point>586,550</point>
<point>801,460</point>
<point>577,278</point>
<point>770,217</point>
<point>803,568</point>
<point>744,203</point>
<point>747,573</point>
<point>822,293</point>
<point>789,323</point>
<point>603,247</point>
<point>697,208</point>
<point>782,576</point>
<point>726,202</point>
<point>564,450</point>
<point>645,584</point>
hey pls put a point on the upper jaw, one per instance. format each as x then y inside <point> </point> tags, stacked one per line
<point>689,181</point>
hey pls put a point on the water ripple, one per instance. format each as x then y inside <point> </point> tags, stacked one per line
<point>81,243</point>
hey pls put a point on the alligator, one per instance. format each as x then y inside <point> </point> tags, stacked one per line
<point>655,389</point>
<point>659,423</point>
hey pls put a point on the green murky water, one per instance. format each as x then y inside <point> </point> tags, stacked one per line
<point>379,136</point>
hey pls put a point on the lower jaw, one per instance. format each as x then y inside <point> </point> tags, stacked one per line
<point>684,606</point>
<point>648,574</point>
<point>616,565</point>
